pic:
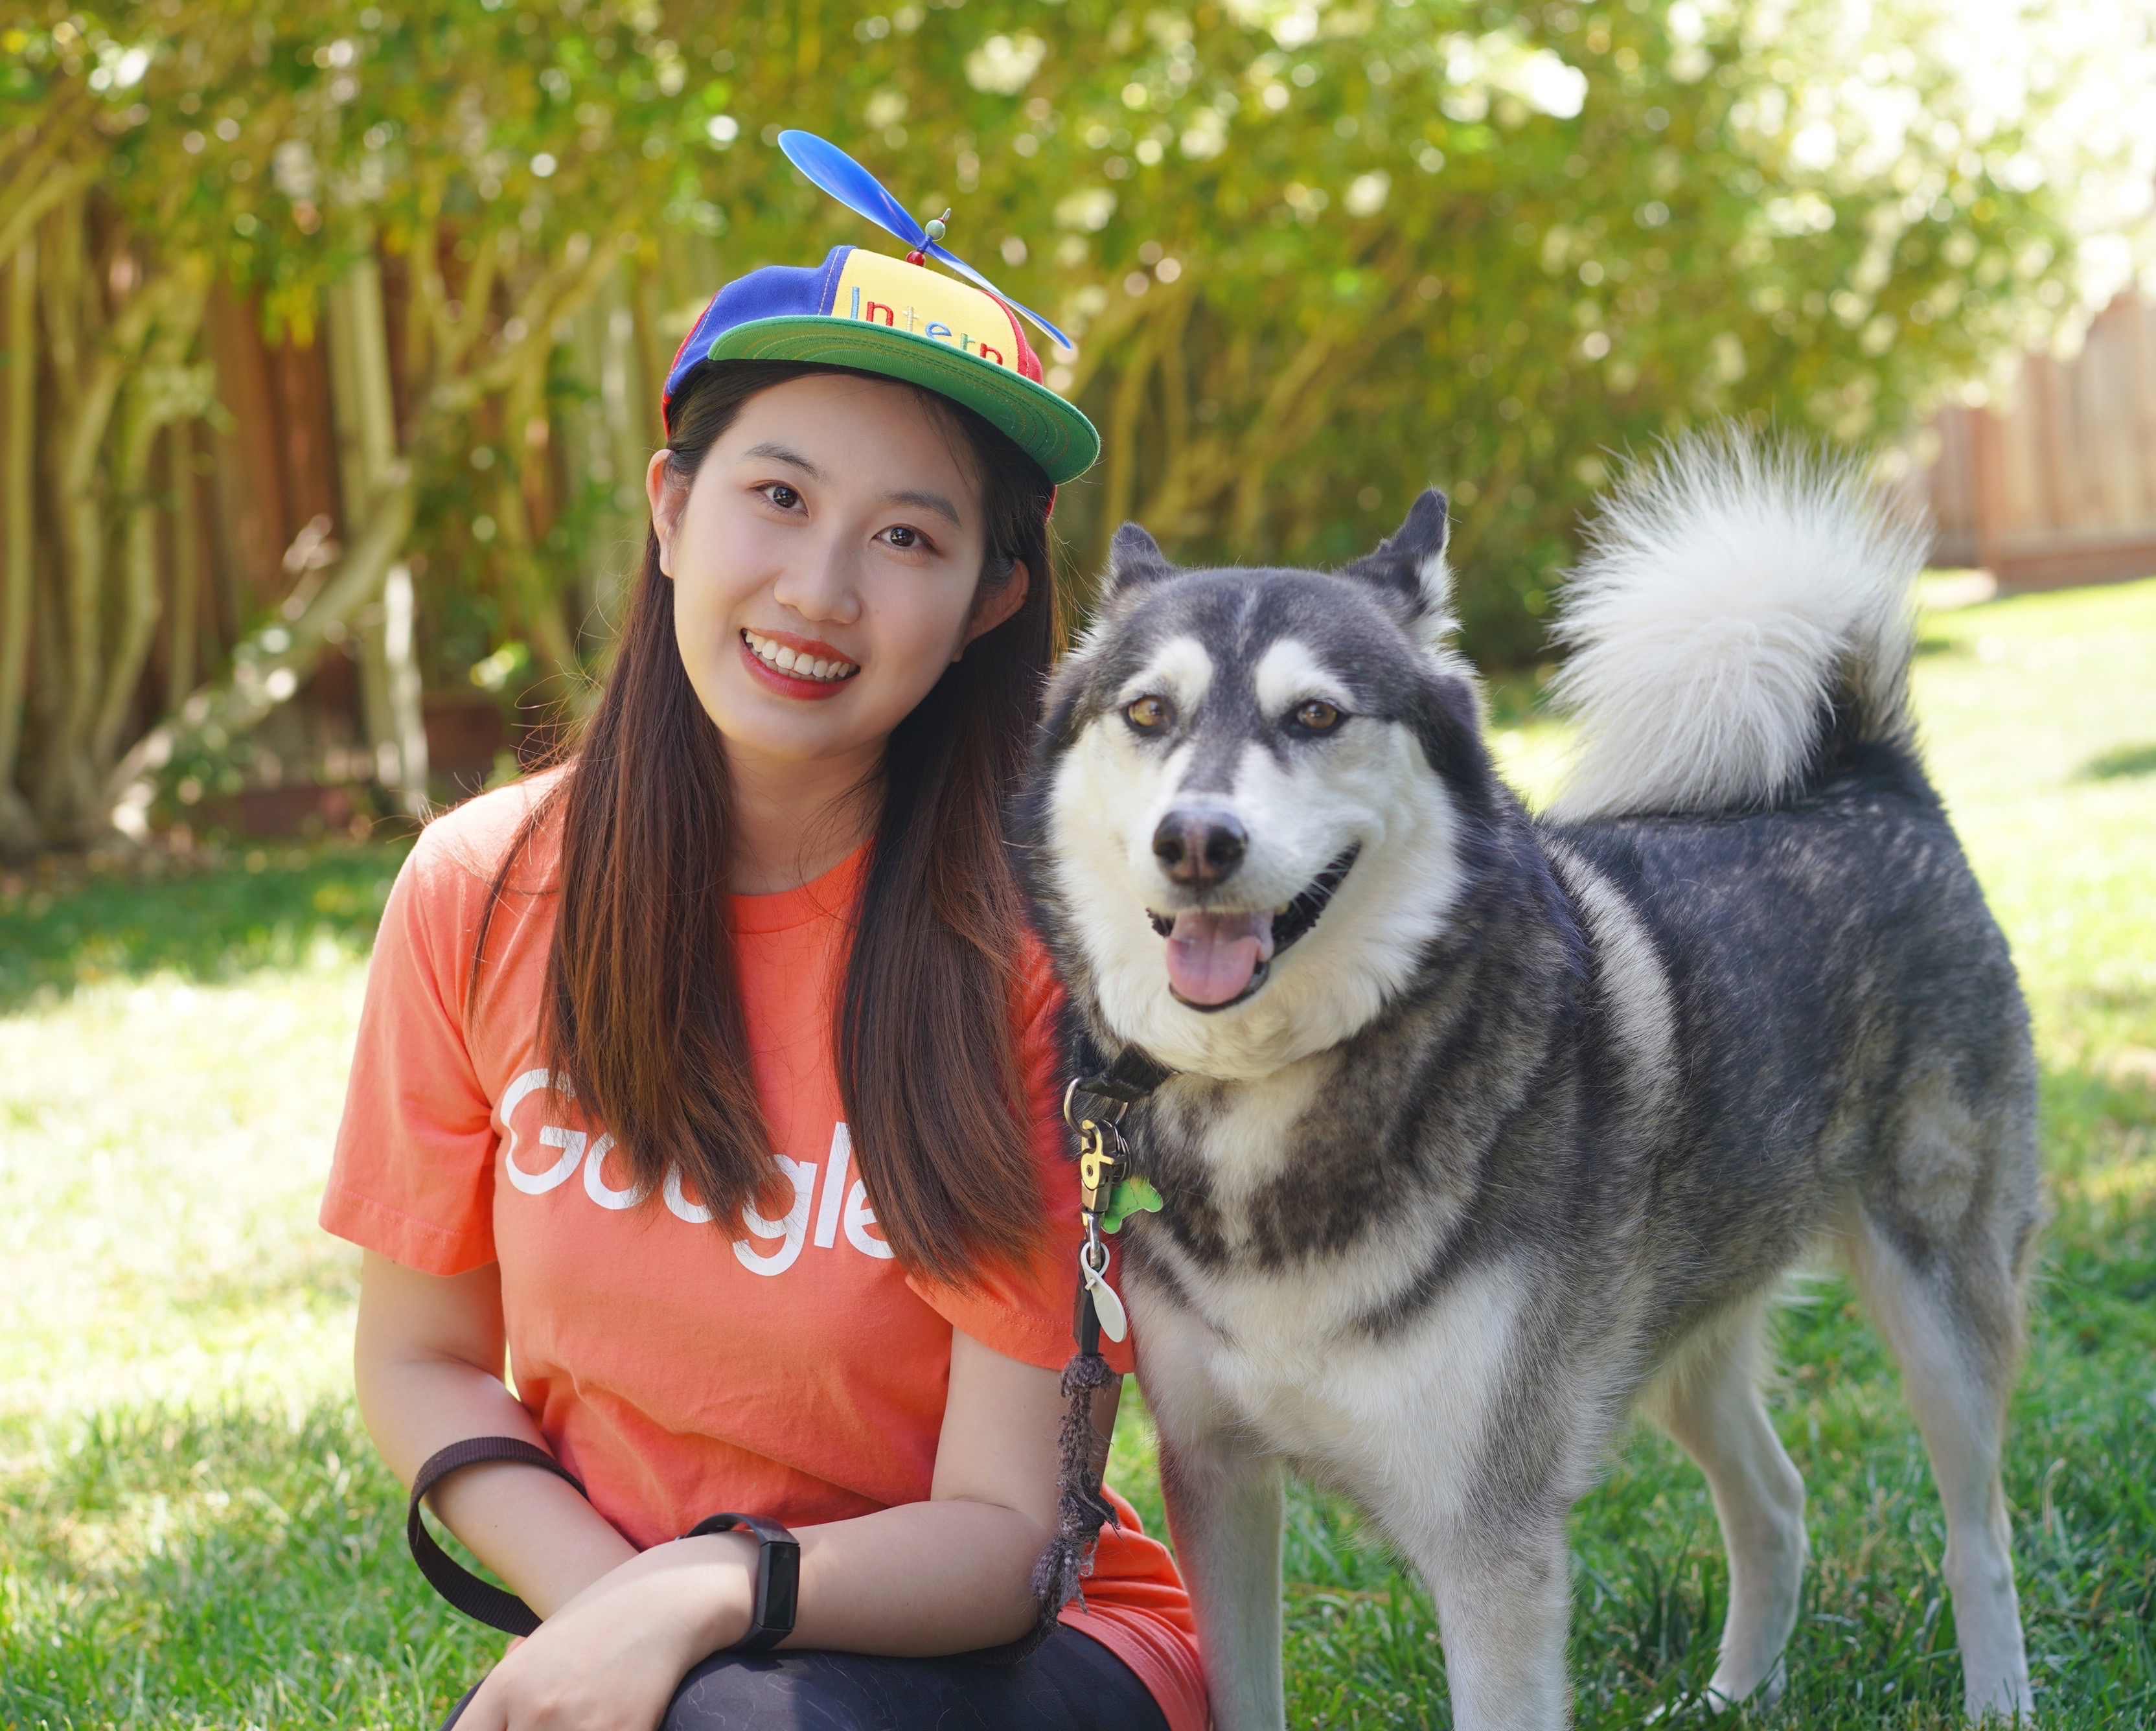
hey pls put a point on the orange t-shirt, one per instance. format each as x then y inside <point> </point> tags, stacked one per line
<point>788,1366</point>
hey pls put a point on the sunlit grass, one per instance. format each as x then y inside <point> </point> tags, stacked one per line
<point>168,1086</point>
<point>166,1149</point>
<point>193,1528</point>
<point>194,1531</point>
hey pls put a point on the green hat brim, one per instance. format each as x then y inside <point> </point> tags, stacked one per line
<point>1048,429</point>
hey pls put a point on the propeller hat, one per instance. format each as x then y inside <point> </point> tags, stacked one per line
<point>963,340</point>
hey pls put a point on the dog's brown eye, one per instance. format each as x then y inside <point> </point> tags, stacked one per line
<point>1148,715</point>
<point>1317,716</point>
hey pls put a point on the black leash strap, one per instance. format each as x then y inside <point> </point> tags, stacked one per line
<point>464,1590</point>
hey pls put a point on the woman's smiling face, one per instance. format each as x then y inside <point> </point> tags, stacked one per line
<point>826,563</point>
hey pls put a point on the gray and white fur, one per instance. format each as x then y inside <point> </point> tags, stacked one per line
<point>1481,1130</point>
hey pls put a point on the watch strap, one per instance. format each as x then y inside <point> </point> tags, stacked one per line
<point>777,1573</point>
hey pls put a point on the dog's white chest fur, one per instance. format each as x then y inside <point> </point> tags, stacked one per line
<point>1403,1415</point>
<point>1290,1354</point>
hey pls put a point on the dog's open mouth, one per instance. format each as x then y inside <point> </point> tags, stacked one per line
<point>1218,959</point>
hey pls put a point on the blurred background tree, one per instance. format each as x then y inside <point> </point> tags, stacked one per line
<point>1314,256</point>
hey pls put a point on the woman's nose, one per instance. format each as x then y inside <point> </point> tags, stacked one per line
<point>821,585</point>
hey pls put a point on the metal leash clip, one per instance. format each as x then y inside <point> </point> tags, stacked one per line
<point>1099,1167</point>
<point>1099,1088</point>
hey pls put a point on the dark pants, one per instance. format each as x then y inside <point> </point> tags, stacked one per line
<point>1072,1683</point>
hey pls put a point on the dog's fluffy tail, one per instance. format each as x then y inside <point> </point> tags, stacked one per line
<point>1744,603</point>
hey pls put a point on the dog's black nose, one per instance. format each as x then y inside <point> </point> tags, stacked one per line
<point>1199,848</point>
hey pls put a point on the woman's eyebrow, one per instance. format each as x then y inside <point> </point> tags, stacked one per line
<point>780,453</point>
<point>937,502</point>
<point>928,502</point>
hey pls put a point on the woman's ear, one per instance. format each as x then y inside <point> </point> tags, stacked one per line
<point>668,496</point>
<point>999,604</point>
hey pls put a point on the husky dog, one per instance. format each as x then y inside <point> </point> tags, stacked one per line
<point>1478,1131</point>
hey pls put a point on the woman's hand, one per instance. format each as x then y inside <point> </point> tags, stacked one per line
<point>611,1658</point>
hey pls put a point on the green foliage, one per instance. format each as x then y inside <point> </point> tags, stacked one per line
<point>1317,256</point>
<point>1405,262</point>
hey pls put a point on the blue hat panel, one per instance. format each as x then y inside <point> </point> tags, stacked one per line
<point>776,291</point>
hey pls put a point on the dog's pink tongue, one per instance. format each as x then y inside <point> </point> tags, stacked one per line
<point>1212,956</point>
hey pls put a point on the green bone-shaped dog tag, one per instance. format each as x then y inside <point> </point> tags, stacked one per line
<point>1133,1195</point>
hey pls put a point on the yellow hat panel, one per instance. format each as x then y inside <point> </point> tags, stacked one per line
<point>889,292</point>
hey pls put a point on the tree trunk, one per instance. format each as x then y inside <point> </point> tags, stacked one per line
<point>85,383</point>
<point>183,638</point>
<point>367,452</point>
<point>538,608</point>
<point>19,828</point>
<point>407,718</point>
<point>606,437</point>
<point>116,383</point>
<point>161,389</point>
<point>267,667</point>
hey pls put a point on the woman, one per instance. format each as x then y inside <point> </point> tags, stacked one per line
<point>712,1078</point>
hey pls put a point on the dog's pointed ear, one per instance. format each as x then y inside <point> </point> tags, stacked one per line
<point>1134,558</point>
<point>1408,568</point>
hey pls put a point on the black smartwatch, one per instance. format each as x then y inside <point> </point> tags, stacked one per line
<point>777,1577</point>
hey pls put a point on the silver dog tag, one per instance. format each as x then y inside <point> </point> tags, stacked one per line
<point>1106,1305</point>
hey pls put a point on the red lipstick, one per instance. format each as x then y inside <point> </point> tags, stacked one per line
<point>788,685</point>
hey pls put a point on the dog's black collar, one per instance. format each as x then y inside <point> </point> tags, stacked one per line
<point>1127,1080</point>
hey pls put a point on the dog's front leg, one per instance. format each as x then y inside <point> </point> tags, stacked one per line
<point>1225,1491</point>
<point>1503,1590</point>
<point>1224,1508</point>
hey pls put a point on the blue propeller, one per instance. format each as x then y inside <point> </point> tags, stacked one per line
<point>861,192</point>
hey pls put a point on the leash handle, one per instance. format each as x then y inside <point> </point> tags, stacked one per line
<point>465,1591</point>
<point>1081,1507</point>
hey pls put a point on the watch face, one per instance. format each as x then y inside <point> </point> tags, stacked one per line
<point>782,1578</point>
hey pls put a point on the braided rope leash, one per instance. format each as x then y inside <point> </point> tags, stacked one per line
<point>1082,1509</point>
<point>1108,1193</point>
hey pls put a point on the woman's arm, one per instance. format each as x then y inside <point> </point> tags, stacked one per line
<point>428,1359</point>
<point>943,1576</point>
<point>956,1572</point>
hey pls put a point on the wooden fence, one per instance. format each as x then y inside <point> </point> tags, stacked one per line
<point>2057,484</point>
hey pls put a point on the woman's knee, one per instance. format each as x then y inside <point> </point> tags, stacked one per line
<point>808,1691</point>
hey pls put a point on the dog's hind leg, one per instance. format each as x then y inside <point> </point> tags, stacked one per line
<point>1954,1324</point>
<point>1708,1400</point>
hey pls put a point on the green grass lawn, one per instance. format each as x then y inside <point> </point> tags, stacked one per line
<point>194,1530</point>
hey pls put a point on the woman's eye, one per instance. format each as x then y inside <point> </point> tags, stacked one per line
<point>783,496</point>
<point>903,536</point>
<point>1317,716</point>
<point>1148,715</point>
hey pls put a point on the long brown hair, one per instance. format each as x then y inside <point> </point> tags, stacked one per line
<point>643,1017</point>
